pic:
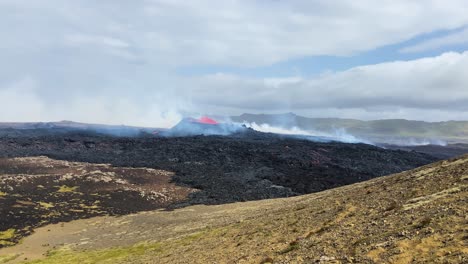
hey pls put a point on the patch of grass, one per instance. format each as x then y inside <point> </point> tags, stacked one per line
<point>190,238</point>
<point>112,255</point>
<point>46,205</point>
<point>300,207</point>
<point>7,258</point>
<point>425,221</point>
<point>323,229</point>
<point>294,222</point>
<point>382,236</point>
<point>8,234</point>
<point>392,206</point>
<point>6,243</point>
<point>292,246</point>
<point>5,236</point>
<point>66,189</point>
<point>3,194</point>
<point>94,206</point>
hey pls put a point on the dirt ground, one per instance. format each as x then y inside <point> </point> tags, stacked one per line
<point>412,217</point>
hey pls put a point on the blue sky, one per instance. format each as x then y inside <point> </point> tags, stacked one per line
<point>150,62</point>
<point>314,65</point>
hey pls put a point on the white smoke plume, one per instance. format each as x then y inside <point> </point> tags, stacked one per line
<point>419,142</point>
<point>337,135</point>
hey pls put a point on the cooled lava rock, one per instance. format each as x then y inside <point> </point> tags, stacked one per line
<point>243,166</point>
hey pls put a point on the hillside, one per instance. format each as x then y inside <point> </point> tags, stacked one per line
<point>417,216</point>
<point>394,131</point>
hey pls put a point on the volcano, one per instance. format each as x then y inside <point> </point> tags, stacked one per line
<point>203,126</point>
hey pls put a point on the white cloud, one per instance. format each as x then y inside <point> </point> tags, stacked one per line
<point>22,102</point>
<point>116,61</point>
<point>278,82</point>
<point>250,33</point>
<point>388,90</point>
<point>424,89</point>
<point>80,39</point>
<point>241,33</point>
<point>457,38</point>
<point>19,101</point>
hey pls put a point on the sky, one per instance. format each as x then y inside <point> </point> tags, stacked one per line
<point>150,62</point>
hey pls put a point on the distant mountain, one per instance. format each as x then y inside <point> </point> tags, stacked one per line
<point>388,130</point>
<point>67,126</point>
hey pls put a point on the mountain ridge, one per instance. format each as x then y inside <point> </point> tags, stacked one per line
<point>380,131</point>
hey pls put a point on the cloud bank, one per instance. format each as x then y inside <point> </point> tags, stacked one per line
<point>117,62</point>
<point>429,88</point>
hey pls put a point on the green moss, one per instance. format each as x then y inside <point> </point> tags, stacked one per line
<point>112,255</point>
<point>6,243</point>
<point>7,258</point>
<point>425,221</point>
<point>46,205</point>
<point>8,234</point>
<point>292,246</point>
<point>118,254</point>
<point>192,237</point>
<point>65,189</point>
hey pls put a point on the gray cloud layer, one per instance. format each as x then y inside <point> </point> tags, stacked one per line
<point>438,83</point>
<point>115,61</point>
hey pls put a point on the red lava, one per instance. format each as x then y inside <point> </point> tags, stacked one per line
<point>206,120</point>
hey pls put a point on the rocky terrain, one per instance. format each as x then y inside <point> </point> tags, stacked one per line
<point>240,167</point>
<point>36,191</point>
<point>54,177</point>
<point>418,216</point>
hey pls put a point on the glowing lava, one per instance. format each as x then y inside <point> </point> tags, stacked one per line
<point>205,120</point>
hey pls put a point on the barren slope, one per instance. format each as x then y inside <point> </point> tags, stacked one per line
<point>418,216</point>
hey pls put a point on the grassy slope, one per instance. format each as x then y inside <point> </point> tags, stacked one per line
<point>411,217</point>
